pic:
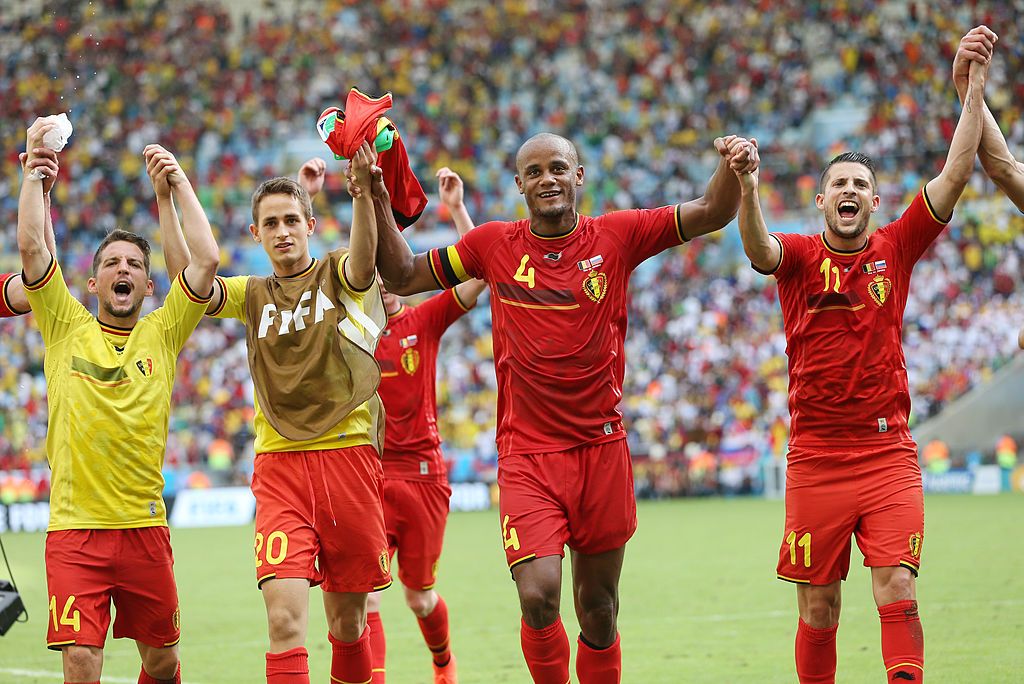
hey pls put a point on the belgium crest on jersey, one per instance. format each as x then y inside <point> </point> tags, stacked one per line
<point>915,544</point>
<point>880,288</point>
<point>410,361</point>
<point>595,285</point>
<point>384,562</point>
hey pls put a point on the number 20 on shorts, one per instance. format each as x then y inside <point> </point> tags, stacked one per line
<point>804,542</point>
<point>277,547</point>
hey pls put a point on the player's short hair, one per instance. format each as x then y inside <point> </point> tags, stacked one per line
<point>118,235</point>
<point>282,186</point>
<point>855,158</point>
<point>565,143</point>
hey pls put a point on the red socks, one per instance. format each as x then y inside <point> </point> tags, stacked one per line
<point>288,667</point>
<point>598,665</point>
<point>902,642</point>
<point>435,632</point>
<point>144,677</point>
<point>547,652</point>
<point>378,647</point>
<point>350,662</point>
<point>815,654</point>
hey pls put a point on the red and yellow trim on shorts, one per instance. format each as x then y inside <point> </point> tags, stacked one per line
<point>172,643</point>
<point>914,569</point>
<point>382,587</point>
<point>521,560</point>
<point>266,578</point>
<point>792,579</point>
<point>58,645</point>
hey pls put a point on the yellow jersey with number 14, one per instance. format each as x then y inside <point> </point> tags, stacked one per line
<point>109,392</point>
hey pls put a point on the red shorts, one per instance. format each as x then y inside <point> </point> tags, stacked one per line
<point>319,517</point>
<point>416,513</point>
<point>87,569</point>
<point>582,497</point>
<point>873,494</point>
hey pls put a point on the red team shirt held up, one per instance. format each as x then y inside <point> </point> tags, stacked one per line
<point>559,320</point>
<point>407,354</point>
<point>843,314</point>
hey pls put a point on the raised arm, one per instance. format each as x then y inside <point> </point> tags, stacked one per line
<point>45,163</point>
<point>35,254</point>
<point>762,249</point>
<point>403,272</point>
<point>176,255</point>
<point>999,164</point>
<point>360,267</point>
<point>451,191</point>
<point>945,189</point>
<point>200,249</point>
<point>718,205</point>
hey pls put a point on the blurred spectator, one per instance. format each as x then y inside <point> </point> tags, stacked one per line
<point>648,85</point>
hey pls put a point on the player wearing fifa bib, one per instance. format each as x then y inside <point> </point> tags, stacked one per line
<point>109,381</point>
<point>311,330</point>
<point>852,464</point>
<point>558,304</point>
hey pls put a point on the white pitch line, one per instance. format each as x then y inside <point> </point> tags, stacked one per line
<point>59,676</point>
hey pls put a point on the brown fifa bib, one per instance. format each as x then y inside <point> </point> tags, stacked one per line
<point>311,350</point>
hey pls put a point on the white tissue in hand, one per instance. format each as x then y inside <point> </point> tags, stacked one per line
<point>57,138</point>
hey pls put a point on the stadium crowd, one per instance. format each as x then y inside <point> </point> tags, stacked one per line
<point>642,88</point>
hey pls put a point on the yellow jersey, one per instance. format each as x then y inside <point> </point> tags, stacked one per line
<point>109,393</point>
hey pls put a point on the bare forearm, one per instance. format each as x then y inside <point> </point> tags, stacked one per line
<point>35,257</point>
<point>363,243</point>
<point>201,248</point>
<point>48,234</point>
<point>758,245</point>
<point>175,250</point>
<point>721,201</point>
<point>945,190</point>
<point>461,218</point>
<point>394,258</point>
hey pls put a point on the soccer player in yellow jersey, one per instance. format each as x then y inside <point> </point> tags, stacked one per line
<point>312,327</point>
<point>109,382</point>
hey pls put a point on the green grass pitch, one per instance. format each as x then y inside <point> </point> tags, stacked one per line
<point>700,603</point>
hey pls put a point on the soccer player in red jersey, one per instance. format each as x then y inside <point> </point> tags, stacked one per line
<point>852,463</point>
<point>416,491</point>
<point>109,381</point>
<point>558,301</point>
<point>13,301</point>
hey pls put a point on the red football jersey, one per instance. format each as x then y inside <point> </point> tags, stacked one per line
<point>558,310</point>
<point>407,354</point>
<point>6,310</point>
<point>843,313</point>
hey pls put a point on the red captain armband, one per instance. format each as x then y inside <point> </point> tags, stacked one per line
<point>6,310</point>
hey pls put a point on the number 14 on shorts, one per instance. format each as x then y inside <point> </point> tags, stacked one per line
<point>797,543</point>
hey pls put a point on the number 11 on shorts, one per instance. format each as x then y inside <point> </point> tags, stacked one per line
<point>804,542</point>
